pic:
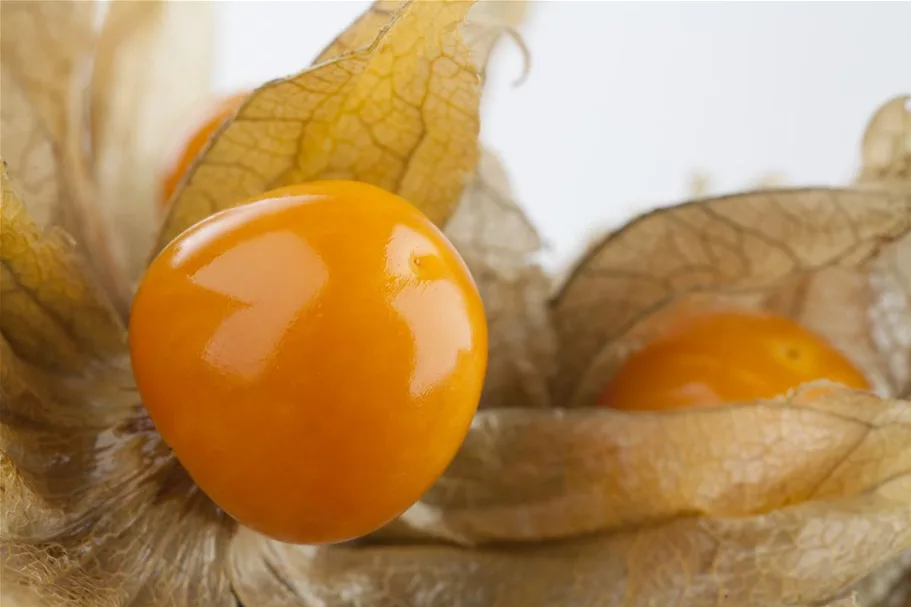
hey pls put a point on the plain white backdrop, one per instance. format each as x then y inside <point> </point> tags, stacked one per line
<point>625,101</point>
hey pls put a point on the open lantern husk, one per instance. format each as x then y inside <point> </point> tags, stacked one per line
<point>804,499</point>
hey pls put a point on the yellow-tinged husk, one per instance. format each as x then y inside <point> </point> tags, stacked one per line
<point>799,500</point>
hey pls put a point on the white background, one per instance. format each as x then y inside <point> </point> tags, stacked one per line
<point>625,101</point>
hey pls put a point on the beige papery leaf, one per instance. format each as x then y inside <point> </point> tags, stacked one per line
<point>45,59</point>
<point>500,245</point>
<point>401,113</point>
<point>798,500</point>
<point>886,147</point>
<point>151,68</point>
<point>835,260</point>
<point>682,515</point>
<point>44,49</point>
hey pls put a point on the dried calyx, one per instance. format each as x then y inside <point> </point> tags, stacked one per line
<point>549,500</point>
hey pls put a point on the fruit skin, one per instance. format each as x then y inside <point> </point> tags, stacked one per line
<point>194,145</point>
<point>724,357</point>
<point>314,359</point>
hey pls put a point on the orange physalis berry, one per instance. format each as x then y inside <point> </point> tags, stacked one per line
<point>194,145</point>
<point>724,357</point>
<point>313,357</point>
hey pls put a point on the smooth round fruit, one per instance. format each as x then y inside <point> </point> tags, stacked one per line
<point>195,143</point>
<point>725,357</point>
<point>314,358</point>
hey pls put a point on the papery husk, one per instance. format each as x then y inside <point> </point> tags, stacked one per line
<point>794,501</point>
<point>886,147</point>
<point>363,31</point>
<point>401,113</point>
<point>500,246</point>
<point>488,22</point>
<point>684,554</point>
<point>75,473</point>
<point>96,511</point>
<point>886,164</point>
<point>889,586</point>
<point>152,67</point>
<point>54,314</point>
<point>833,259</point>
<point>45,54</point>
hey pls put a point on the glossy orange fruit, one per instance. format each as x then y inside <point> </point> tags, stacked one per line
<point>195,143</point>
<point>725,357</point>
<point>314,357</point>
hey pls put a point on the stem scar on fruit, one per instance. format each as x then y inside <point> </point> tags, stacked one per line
<point>313,357</point>
<point>724,357</point>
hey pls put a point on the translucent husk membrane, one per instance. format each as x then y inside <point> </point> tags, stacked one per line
<point>803,499</point>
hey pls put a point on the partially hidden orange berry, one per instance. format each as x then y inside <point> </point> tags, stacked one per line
<point>313,357</point>
<point>200,136</point>
<point>724,357</point>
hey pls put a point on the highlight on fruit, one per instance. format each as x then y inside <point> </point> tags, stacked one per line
<point>332,330</point>
<point>728,356</point>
